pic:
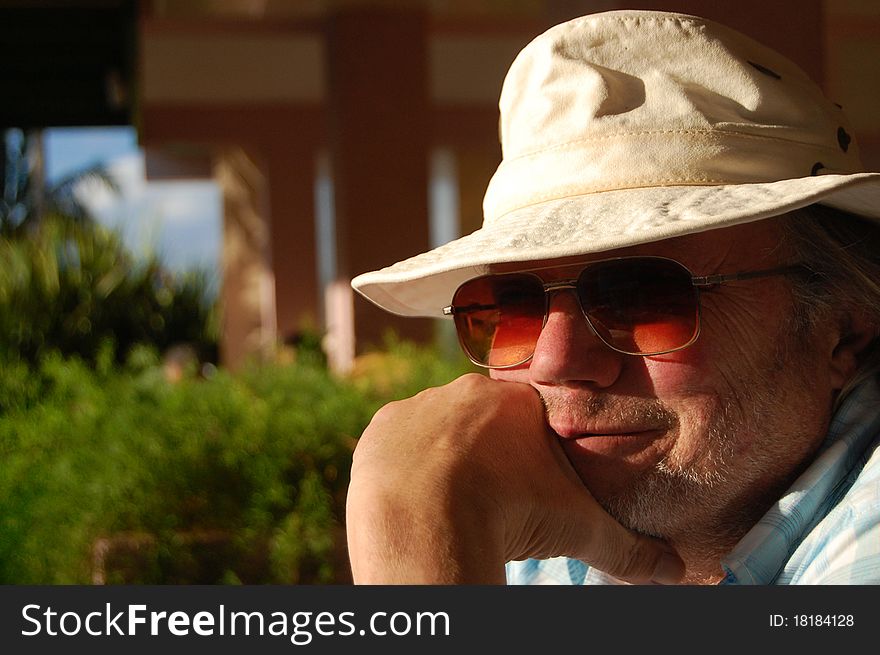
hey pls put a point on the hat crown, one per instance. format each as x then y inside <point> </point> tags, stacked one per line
<point>631,99</point>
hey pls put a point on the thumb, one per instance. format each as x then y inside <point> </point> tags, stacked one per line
<point>631,556</point>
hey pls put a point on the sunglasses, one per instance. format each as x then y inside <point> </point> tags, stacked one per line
<point>636,305</point>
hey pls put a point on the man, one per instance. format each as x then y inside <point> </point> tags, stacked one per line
<point>677,301</point>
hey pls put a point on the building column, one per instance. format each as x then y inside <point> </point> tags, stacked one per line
<point>293,249</point>
<point>378,135</point>
<point>248,290</point>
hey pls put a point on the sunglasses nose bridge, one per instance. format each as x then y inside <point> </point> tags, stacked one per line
<point>551,288</point>
<point>556,286</point>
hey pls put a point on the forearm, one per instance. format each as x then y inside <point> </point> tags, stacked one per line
<point>393,542</point>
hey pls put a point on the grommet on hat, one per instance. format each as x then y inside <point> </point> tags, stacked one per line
<point>843,139</point>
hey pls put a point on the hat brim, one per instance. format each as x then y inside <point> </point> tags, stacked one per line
<point>598,222</point>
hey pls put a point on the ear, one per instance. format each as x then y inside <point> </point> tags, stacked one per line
<point>856,334</point>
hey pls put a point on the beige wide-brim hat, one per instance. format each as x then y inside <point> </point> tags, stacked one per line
<point>629,127</point>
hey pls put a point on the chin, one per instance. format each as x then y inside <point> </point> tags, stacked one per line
<point>666,503</point>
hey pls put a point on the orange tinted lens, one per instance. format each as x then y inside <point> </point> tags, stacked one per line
<point>499,318</point>
<point>641,306</point>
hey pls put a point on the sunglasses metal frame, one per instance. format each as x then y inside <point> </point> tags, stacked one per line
<point>699,282</point>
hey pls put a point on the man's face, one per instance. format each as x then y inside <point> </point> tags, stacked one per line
<point>704,439</point>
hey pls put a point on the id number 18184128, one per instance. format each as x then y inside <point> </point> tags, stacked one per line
<point>812,621</point>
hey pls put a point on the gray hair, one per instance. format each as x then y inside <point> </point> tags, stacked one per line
<point>841,252</point>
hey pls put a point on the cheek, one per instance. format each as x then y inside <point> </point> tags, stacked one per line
<point>689,383</point>
<point>704,402</point>
<point>685,372</point>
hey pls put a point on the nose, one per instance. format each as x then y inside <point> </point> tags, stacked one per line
<point>568,351</point>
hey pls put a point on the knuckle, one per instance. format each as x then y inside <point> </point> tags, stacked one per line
<point>386,412</point>
<point>471,381</point>
<point>384,416</point>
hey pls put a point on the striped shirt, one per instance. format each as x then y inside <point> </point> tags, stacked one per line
<point>825,529</point>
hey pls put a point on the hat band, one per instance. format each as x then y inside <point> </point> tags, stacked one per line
<point>649,159</point>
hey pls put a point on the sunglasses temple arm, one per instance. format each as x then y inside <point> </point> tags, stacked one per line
<point>712,280</point>
<point>450,310</point>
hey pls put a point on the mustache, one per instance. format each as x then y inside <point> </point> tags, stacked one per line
<point>645,412</point>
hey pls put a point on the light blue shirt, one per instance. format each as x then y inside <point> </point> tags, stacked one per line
<point>824,530</point>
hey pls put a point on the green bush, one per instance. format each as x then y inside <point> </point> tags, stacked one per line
<point>73,287</point>
<point>234,478</point>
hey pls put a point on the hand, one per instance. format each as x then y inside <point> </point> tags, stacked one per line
<point>449,485</point>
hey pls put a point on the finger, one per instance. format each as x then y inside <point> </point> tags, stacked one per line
<point>631,556</point>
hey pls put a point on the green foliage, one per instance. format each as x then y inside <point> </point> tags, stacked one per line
<point>232,479</point>
<point>401,369</point>
<point>75,288</point>
<point>112,472</point>
<point>69,285</point>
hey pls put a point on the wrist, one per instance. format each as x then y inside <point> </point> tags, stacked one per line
<point>395,540</point>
